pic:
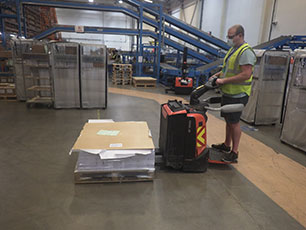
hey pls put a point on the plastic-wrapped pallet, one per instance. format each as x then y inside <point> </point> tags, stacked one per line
<point>93,76</point>
<point>91,168</point>
<point>114,152</point>
<point>268,88</point>
<point>294,127</point>
<point>65,72</point>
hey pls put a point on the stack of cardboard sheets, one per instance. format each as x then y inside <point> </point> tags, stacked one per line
<point>114,152</point>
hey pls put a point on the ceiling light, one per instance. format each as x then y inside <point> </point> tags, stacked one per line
<point>120,1</point>
<point>150,1</point>
<point>91,0</point>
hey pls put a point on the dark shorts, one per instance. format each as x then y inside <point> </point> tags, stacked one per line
<point>233,118</point>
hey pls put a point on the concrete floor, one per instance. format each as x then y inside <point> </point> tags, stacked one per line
<point>38,191</point>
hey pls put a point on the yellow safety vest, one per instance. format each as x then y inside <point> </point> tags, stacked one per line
<point>233,69</point>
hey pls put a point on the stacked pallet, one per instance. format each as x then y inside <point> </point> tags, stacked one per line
<point>123,152</point>
<point>145,82</point>
<point>7,91</point>
<point>122,74</point>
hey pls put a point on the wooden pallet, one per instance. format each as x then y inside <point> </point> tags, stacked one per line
<point>122,67</point>
<point>122,82</point>
<point>112,177</point>
<point>144,82</point>
<point>7,90</point>
<point>8,97</point>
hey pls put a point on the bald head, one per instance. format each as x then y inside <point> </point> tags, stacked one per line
<point>238,29</point>
<point>236,33</point>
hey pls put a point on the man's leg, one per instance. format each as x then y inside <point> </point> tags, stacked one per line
<point>228,135</point>
<point>236,134</point>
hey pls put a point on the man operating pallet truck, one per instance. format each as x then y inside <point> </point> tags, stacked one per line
<point>235,81</point>
<point>182,139</point>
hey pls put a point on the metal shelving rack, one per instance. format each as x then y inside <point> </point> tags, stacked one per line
<point>294,128</point>
<point>18,48</point>
<point>268,87</point>
<point>37,59</point>
<point>93,63</point>
<point>65,74</point>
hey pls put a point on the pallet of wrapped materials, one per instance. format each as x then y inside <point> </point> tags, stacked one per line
<point>90,168</point>
<point>114,152</point>
<point>144,82</point>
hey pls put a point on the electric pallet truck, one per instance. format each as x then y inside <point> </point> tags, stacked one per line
<point>183,84</point>
<point>183,132</point>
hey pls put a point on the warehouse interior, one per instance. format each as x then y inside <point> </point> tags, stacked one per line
<point>109,109</point>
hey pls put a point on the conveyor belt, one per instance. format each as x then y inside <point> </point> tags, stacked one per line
<point>167,66</point>
<point>210,65</point>
<point>282,40</point>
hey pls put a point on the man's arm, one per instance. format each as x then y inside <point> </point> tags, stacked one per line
<point>216,74</point>
<point>246,73</point>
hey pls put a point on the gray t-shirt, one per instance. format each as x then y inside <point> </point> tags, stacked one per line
<point>247,58</point>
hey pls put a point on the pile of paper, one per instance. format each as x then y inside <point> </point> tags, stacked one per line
<point>104,145</point>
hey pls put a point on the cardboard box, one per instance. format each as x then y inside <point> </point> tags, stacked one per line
<point>131,135</point>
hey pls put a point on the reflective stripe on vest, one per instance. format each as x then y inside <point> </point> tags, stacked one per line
<point>233,68</point>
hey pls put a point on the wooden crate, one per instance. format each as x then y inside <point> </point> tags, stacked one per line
<point>112,177</point>
<point>145,82</point>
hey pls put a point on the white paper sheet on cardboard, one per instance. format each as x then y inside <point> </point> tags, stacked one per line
<point>119,154</point>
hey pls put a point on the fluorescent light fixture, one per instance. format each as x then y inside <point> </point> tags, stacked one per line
<point>120,1</point>
<point>91,0</point>
<point>150,1</point>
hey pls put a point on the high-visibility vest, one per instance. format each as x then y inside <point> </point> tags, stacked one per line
<point>233,68</point>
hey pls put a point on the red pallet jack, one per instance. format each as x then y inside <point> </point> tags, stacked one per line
<point>182,85</point>
<point>183,132</point>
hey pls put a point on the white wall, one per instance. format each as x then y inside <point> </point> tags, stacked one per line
<point>186,14</point>
<point>290,17</point>
<point>248,13</point>
<point>214,17</point>
<point>95,18</point>
<point>220,15</point>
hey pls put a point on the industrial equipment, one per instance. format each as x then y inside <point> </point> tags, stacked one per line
<point>183,84</point>
<point>182,140</point>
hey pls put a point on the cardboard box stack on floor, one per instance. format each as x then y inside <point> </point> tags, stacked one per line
<point>114,152</point>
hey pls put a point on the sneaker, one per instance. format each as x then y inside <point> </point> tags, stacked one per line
<point>222,147</point>
<point>230,157</point>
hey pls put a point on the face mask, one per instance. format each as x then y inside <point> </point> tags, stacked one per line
<point>230,42</point>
